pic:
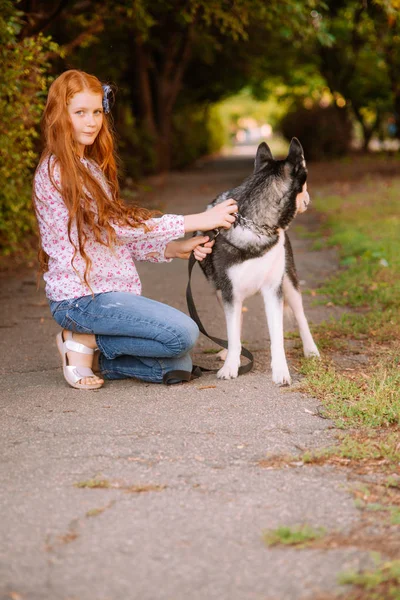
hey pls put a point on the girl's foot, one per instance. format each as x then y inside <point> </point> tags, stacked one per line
<point>77,351</point>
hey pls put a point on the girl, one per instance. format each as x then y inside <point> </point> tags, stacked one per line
<point>89,240</point>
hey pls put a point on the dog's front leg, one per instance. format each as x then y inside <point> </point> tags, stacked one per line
<point>233,316</point>
<point>273,301</point>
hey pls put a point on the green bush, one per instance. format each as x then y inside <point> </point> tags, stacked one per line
<point>23,88</point>
<point>196,132</point>
<point>323,132</point>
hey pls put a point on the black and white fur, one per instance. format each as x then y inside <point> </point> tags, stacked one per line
<point>255,255</point>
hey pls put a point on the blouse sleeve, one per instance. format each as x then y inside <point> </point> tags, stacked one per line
<point>53,218</point>
<point>150,246</point>
<point>52,214</point>
<point>145,245</point>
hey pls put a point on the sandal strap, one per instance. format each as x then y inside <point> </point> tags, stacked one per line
<point>72,346</point>
<point>78,373</point>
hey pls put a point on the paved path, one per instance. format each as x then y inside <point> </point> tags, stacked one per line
<point>187,502</point>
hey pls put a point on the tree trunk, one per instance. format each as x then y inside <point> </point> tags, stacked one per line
<point>145,101</point>
<point>367,130</point>
<point>168,86</point>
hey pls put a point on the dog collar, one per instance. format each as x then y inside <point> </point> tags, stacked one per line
<point>249,224</point>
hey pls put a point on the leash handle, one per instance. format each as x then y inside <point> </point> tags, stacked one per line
<point>194,315</point>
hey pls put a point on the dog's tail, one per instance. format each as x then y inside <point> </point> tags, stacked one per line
<point>288,316</point>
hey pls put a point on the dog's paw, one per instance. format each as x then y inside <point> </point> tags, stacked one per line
<point>281,376</point>
<point>228,371</point>
<point>222,354</point>
<point>311,351</point>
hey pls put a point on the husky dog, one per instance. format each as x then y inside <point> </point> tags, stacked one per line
<point>255,255</point>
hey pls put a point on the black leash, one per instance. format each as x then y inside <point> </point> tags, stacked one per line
<point>178,376</point>
<point>223,343</point>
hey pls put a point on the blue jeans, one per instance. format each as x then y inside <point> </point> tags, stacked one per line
<point>137,337</point>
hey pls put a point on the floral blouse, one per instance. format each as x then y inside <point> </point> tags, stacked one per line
<point>113,268</point>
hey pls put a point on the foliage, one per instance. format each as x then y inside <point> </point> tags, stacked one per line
<point>197,131</point>
<point>167,57</point>
<point>323,132</point>
<point>356,60</point>
<point>362,63</point>
<point>23,83</point>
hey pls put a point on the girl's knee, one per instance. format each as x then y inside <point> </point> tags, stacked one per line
<point>188,335</point>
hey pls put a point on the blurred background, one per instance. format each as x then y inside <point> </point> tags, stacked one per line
<point>193,78</point>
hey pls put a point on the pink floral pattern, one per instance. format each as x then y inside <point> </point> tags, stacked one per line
<point>112,269</point>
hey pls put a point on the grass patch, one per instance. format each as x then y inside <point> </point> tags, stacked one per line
<point>298,536</point>
<point>130,489</point>
<point>366,397</point>
<point>93,484</point>
<point>379,497</point>
<point>94,512</point>
<point>365,231</point>
<point>374,450</point>
<point>139,489</point>
<point>364,227</point>
<point>382,582</point>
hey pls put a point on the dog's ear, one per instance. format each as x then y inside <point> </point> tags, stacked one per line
<point>263,155</point>
<point>296,152</point>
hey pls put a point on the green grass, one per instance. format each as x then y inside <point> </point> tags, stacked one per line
<point>378,584</point>
<point>362,445</point>
<point>93,483</point>
<point>365,228</point>
<point>94,512</point>
<point>372,400</point>
<point>298,536</point>
<point>361,395</point>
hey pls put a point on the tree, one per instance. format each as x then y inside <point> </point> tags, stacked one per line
<point>23,86</point>
<point>165,54</point>
<point>385,16</point>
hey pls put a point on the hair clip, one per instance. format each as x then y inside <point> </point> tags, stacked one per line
<point>106,101</point>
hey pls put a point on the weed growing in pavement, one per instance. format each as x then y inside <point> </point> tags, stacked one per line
<point>93,483</point>
<point>378,497</point>
<point>132,489</point>
<point>374,449</point>
<point>293,536</point>
<point>382,582</point>
<point>94,512</point>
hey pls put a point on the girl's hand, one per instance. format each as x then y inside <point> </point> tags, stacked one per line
<point>184,248</point>
<point>201,251</point>
<point>221,215</point>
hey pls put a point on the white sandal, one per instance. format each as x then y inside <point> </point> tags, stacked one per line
<point>73,374</point>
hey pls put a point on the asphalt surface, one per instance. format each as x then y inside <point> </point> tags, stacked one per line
<point>184,501</point>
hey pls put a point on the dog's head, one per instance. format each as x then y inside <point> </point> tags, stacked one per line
<point>277,189</point>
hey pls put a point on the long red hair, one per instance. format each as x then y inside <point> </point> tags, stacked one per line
<point>78,186</point>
